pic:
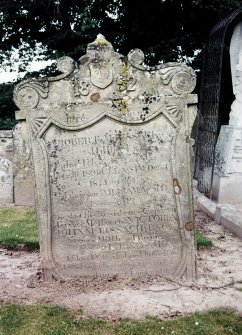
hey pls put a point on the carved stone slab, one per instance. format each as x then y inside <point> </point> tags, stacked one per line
<point>111,151</point>
<point>6,167</point>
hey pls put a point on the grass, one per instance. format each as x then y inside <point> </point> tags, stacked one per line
<point>202,240</point>
<point>18,228</point>
<point>56,320</point>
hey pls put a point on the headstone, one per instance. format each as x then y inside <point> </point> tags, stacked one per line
<point>23,177</point>
<point>111,151</point>
<point>227,182</point>
<point>6,167</point>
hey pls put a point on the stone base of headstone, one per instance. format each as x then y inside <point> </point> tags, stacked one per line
<point>227,179</point>
<point>228,189</point>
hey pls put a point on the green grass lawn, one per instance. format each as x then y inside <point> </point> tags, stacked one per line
<point>55,320</point>
<point>18,228</point>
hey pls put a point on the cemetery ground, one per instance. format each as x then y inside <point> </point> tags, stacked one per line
<point>151,305</point>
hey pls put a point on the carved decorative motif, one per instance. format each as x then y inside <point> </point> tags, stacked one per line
<point>26,94</point>
<point>136,57</point>
<point>182,78</point>
<point>183,82</point>
<point>101,76</point>
<point>175,111</point>
<point>37,123</point>
<point>101,69</point>
<point>66,65</point>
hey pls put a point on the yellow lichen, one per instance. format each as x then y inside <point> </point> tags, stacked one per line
<point>123,104</point>
<point>123,78</point>
<point>101,40</point>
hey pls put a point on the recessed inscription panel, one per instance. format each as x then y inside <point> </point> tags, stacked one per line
<point>113,204</point>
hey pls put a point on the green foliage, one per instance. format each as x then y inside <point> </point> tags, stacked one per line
<point>66,26</point>
<point>7,124</point>
<point>202,240</point>
<point>18,228</point>
<point>37,320</point>
<point>7,106</point>
<point>60,26</point>
<point>165,30</point>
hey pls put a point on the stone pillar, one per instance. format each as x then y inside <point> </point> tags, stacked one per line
<point>6,167</point>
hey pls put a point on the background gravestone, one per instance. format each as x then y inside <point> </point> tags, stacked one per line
<point>23,176</point>
<point>6,167</point>
<point>111,151</point>
<point>227,182</point>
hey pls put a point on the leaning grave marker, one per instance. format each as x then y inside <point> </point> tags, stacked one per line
<point>111,152</point>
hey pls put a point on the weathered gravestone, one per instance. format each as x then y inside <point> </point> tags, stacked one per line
<point>111,155</point>
<point>227,181</point>
<point>6,167</point>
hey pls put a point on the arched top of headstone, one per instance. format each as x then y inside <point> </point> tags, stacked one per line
<point>103,76</point>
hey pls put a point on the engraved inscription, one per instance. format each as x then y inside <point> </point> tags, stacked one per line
<point>235,165</point>
<point>113,199</point>
<point>237,150</point>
